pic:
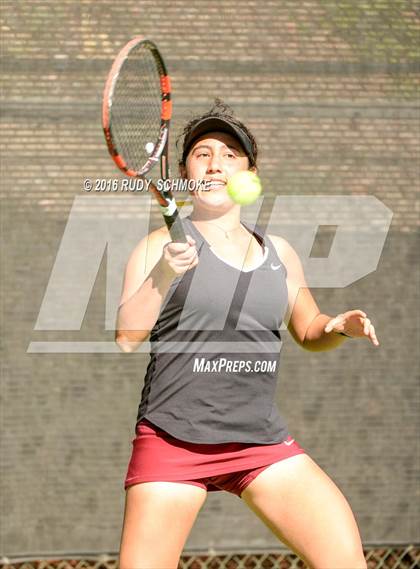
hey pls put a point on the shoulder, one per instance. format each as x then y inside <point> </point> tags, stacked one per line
<point>155,239</point>
<point>282,246</point>
<point>143,258</point>
<point>287,254</point>
<point>149,249</point>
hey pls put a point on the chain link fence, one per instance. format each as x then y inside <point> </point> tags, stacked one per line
<point>398,557</point>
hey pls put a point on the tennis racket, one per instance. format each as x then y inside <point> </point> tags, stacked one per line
<point>136,113</point>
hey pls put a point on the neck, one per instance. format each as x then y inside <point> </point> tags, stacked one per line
<point>228,220</point>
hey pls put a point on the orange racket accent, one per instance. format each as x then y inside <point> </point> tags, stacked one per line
<point>160,199</point>
<point>123,166</point>
<point>132,173</point>
<point>165,83</point>
<point>119,162</point>
<point>166,110</point>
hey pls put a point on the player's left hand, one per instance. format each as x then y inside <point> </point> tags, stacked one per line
<point>354,323</point>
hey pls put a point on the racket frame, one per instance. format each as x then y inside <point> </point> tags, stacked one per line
<point>164,198</point>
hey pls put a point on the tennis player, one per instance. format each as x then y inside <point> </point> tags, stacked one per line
<point>207,419</point>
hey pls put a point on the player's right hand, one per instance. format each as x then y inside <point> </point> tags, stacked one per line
<point>180,257</point>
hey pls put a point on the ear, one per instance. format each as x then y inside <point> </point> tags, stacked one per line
<point>183,171</point>
<point>253,169</point>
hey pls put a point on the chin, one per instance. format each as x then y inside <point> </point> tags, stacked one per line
<point>214,202</point>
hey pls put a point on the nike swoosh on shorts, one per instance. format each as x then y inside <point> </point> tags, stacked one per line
<point>275,267</point>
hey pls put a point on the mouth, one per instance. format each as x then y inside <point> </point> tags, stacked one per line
<point>215,184</point>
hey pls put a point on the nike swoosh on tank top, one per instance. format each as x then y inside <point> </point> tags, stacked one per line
<point>215,351</point>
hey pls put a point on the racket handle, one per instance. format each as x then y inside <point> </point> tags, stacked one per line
<point>170,213</point>
<point>176,228</point>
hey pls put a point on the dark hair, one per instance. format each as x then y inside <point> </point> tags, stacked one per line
<point>223,111</point>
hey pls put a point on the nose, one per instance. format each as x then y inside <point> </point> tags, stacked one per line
<point>214,163</point>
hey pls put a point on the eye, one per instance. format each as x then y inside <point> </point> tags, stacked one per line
<point>230,155</point>
<point>202,154</point>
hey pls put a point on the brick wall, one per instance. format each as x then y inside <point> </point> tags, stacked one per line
<point>331,91</point>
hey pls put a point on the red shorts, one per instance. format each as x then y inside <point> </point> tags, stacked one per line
<point>158,456</point>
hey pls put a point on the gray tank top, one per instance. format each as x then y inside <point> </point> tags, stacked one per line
<point>215,351</point>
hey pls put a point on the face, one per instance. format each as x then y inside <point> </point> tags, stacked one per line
<point>216,156</point>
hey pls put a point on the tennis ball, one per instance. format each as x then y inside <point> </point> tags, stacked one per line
<point>244,187</point>
<point>149,147</point>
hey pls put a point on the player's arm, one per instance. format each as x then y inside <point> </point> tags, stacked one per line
<point>152,266</point>
<point>304,320</point>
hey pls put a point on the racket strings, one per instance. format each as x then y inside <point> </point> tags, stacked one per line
<point>136,108</point>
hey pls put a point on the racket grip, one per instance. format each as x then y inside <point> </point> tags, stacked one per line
<point>176,229</point>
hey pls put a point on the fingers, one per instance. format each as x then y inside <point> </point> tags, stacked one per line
<point>366,325</point>
<point>372,335</point>
<point>339,319</point>
<point>369,330</point>
<point>181,256</point>
<point>178,248</point>
<point>356,312</point>
<point>342,321</point>
<point>169,253</point>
